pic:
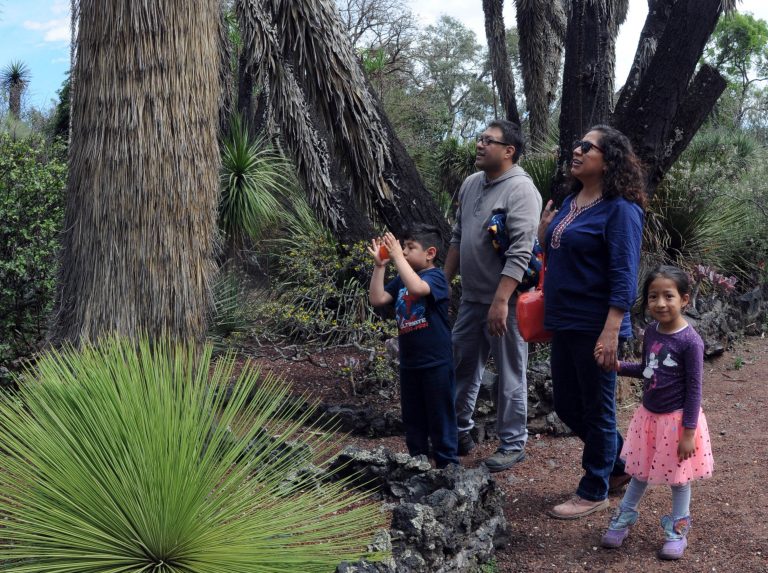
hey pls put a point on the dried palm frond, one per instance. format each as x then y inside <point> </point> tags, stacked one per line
<point>328,70</point>
<point>288,104</point>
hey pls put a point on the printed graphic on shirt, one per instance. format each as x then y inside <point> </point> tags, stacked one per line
<point>659,354</point>
<point>410,312</point>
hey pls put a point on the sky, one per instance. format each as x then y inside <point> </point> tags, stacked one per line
<point>36,32</point>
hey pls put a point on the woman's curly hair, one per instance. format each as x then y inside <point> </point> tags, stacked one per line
<point>624,175</point>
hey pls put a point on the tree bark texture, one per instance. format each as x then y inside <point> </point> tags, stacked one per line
<point>142,190</point>
<point>349,159</point>
<point>496,34</point>
<point>659,12</point>
<point>650,117</point>
<point>590,56</point>
<point>541,26</point>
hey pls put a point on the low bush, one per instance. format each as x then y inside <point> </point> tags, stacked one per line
<point>32,181</point>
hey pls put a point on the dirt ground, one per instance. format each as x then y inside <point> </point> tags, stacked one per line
<point>729,511</point>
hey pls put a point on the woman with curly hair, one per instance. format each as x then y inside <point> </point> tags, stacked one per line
<point>592,245</point>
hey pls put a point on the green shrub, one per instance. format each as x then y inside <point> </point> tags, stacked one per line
<point>321,293</point>
<point>255,180</point>
<point>32,180</point>
<point>121,458</point>
<point>711,209</point>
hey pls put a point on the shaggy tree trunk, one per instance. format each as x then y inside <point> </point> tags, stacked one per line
<point>14,99</point>
<point>541,26</point>
<point>588,73</point>
<point>348,157</point>
<point>501,69</point>
<point>665,109</point>
<point>143,171</point>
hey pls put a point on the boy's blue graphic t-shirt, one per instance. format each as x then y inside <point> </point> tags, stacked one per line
<point>422,322</point>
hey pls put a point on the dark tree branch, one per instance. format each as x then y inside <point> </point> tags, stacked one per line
<point>497,49</point>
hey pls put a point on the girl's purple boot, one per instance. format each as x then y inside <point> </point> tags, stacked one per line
<point>618,530</point>
<point>676,532</point>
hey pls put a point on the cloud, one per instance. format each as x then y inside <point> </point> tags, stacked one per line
<point>56,30</point>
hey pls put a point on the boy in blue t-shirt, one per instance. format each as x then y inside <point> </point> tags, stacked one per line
<point>420,296</point>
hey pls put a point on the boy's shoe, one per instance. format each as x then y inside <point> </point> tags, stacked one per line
<point>617,483</point>
<point>466,443</point>
<point>676,532</point>
<point>618,530</point>
<point>503,460</point>
<point>577,507</point>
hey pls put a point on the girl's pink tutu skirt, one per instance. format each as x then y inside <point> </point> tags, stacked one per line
<point>650,449</point>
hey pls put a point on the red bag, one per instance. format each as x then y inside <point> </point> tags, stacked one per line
<point>530,313</point>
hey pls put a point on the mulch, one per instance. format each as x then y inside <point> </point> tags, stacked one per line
<point>730,510</point>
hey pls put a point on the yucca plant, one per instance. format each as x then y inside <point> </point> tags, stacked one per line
<point>123,459</point>
<point>15,78</point>
<point>255,180</point>
<point>541,167</point>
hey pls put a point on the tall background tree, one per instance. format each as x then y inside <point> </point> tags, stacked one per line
<point>14,78</point>
<point>143,163</point>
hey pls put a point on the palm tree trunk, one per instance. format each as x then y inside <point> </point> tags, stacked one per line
<point>588,73</point>
<point>541,26</point>
<point>143,176</point>
<point>496,34</point>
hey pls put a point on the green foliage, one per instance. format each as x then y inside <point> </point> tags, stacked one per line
<point>541,167</point>
<point>707,212</point>
<point>32,179</point>
<point>124,458</point>
<point>320,292</point>
<point>255,179</point>
<point>60,122</point>
<point>738,48</point>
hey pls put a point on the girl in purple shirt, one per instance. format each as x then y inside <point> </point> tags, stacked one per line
<point>668,439</point>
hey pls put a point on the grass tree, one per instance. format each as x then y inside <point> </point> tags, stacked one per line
<point>255,182</point>
<point>143,170</point>
<point>132,458</point>
<point>14,79</point>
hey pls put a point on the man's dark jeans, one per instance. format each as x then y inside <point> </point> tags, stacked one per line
<point>427,399</point>
<point>585,399</point>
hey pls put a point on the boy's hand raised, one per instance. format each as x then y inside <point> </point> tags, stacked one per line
<point>376,252</point>
<point>393,246</point>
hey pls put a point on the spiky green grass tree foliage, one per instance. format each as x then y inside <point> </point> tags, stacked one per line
<point>255,181</point>
<point>120,459</point>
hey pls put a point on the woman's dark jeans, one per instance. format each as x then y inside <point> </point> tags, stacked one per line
<point>585,399</point>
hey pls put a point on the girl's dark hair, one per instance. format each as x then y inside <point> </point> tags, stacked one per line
<point>676,275</point>
<point>625,174</point>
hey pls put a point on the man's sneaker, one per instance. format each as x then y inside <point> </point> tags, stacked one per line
<point>503,460</point>
<point>466,443</point>
<point>676,533</point>
<point>618,530</point>
<point>577,507</point>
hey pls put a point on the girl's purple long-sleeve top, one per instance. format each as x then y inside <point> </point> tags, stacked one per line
<point>672,369</point>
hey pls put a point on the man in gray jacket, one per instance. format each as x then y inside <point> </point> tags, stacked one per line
<point>486,322</point>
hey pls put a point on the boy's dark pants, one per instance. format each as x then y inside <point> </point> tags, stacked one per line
<point>427,401</point>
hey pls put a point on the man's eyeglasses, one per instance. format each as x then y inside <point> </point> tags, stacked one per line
<point>586,146</point>
<point>486,140</point>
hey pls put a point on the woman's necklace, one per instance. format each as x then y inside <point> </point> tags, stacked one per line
<point>574,212</point>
